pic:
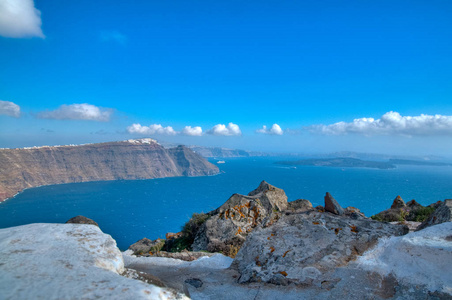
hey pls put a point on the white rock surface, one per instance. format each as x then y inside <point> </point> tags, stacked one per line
<point>422,257</point>
<point>67,261</point>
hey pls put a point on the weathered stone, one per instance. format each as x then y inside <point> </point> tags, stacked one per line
<point>353,212</point>
<point>412,204</point>
<point>299,205</point>
<point>226,229</point>
<point>332,206</point>
<point>398,203</point>
<point>67,261</point>
<point>81,220</point>
<point>145,245</point>
<point>443,213</point>
<point>303,247</point>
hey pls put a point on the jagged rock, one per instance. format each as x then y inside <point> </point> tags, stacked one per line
<point>303,247</point>
<point>67,261</point>
<point>226,229</point>
<point>412,204</point>
<point>398,203</point>
<point>299,205</point>
<point>81,220</point>
<point>146,245</point>
<point>332,206</point>
<point>353,212</point>
<point>443,213</point>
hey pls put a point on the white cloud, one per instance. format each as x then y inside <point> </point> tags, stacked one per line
<point>221,129</point>
<point>274,130</point>
<point>81,111</point>
<point>391,123</point>
<point>151,129</point>
<point>9,109</point>
<point>193,131</point>
<point>20,18</point>
<point>113,35</point>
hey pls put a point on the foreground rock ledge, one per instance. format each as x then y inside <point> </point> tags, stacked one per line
<point>67,261</point>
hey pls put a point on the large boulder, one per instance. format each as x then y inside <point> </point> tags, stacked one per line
<point>227,227</point>
<point>307,246</point>
<point>443,213</point>
<point>67,261</point>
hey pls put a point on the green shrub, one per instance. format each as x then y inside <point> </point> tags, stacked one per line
<point>423,213</point>
<point>189,231</point>
<point>377,217</point>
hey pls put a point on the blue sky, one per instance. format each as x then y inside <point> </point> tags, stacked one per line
<point>369,76</point>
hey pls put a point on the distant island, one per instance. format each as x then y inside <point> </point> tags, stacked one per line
<point>125,160</point>
<point>340,162</point>
<point>347,162</point>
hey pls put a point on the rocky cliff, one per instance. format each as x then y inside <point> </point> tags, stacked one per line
<point>126,160</point>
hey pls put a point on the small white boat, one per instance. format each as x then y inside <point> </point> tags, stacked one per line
<point>221,162</point>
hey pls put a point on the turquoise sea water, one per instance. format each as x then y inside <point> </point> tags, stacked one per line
<point>131,210</point>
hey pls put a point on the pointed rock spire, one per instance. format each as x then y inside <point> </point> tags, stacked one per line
<point>332,206</point>
<point>398,203</point>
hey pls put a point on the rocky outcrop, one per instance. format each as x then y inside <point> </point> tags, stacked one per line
<point>303,247</point>
<point>443,213</point>
<point>299,205</point>
<point>227,227</point>
<point>332,206</point>
<point>126,160</point>
<point>398,203</point>
<point>81,220</point>
<point>411,212</point>
<point>67,261</point>
<point>146,246</point>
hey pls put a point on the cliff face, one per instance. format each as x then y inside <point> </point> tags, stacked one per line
<point>127,160</point>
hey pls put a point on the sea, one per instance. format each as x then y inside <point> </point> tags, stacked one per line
<point>132,210</point>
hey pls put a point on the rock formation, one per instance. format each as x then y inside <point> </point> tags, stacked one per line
<point>67,261</point>
<point>226,229</point>
<point>332,206</point>
<point>402,212</point>
<point>443,213</point>
<point>307,246</point>
<point>127,160</point>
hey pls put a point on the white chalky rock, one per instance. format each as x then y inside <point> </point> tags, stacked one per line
<point>67,261</point>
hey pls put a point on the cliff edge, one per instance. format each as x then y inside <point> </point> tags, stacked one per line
<point>126,160</point>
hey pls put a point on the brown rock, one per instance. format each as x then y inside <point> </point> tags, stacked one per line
<point>332,206</point>
<point>398,203</point>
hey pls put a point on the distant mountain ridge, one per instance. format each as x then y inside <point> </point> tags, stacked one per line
<point>125,160</point>
<point>224,152</point>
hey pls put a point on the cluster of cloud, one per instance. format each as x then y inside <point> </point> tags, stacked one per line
<point>274,130</point>
<point>151,129</point>
<point>8,108</point>
<point>78,111</point>
<point>391,123</point>
<point>20,18</point>
<point>220,129</point>
<point>192,131</point>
